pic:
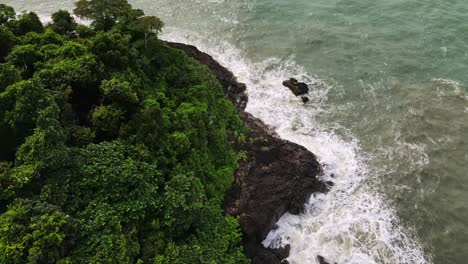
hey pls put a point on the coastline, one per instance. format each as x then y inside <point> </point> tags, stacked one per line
<point>276,177</point>
<point>269,112</point>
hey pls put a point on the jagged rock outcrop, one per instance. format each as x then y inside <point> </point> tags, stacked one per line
<point>277,176</point>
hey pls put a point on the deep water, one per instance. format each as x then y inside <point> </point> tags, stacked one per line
<point>388,116</point>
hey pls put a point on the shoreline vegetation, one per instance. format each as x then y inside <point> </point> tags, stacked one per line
<point>276,176</point>
<point>116,147</point>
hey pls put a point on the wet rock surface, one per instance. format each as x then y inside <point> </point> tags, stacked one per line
<point>322,260</point>
<point>296,87</point>
<point>277,176</point>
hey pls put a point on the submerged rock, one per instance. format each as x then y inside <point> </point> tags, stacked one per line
<point>305,99</point>
<point>298,88</point>
<point>277,176</point>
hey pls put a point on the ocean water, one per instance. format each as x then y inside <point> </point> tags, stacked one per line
<point>388,116</point>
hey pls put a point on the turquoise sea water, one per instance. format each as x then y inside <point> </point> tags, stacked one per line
<point>388,116</point>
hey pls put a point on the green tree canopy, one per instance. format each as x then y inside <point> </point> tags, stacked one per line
<point>8,75</point>
<point>37,232</point>
<point>114,148</point>
<point>27,22</point>
<point>147,25</point>
<point>103,13</point>
<point>6,13</point>
<point>7,41</point>
<point>63,22</point>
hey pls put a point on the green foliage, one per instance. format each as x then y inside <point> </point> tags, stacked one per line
<point>83,31</point>
<point>120,179</point>
<point>63,22</point>
<point>6,13</point>
<point>104,238</point>
<point>27,22</point>
<point>7,42</point>
<point>146,25</point>
<point>43,39</point>
<point>103,13</point>
<point>113,49</point>
<point>20,106</point>
<point>34,232</point>
<point>106,120</point>
<point>183,201</point>
<point>119,92</point>
<point>78,72</point>
<point>24,57</point>
<point>113,147</point>
<point>80,136</point>
<point>8,75</point>
<point>214,233</point>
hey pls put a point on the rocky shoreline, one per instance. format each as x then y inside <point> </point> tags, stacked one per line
<point>277,176</point>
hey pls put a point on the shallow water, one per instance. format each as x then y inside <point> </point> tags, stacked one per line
<point>388,116</point>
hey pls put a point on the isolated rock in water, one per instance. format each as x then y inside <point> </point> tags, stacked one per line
<point>305,99</point>
<point>298,88</point>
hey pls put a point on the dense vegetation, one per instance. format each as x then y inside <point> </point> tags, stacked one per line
<point>114,148</point>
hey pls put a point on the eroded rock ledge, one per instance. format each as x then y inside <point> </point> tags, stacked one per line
<point>277,176</point>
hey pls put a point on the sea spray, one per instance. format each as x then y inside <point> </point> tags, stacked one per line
<point>352,223</point>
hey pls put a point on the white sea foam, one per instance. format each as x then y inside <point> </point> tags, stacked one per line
<point>447,87</point>
<point>350,224</point>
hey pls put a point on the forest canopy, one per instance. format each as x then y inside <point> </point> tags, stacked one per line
<point>114,148</point>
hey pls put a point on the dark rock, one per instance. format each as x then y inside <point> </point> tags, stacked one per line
<point>271,256</point>
<point>298,88</point>
<point>305,99</point>
<point>321,260</point>
<point>276,177</point>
